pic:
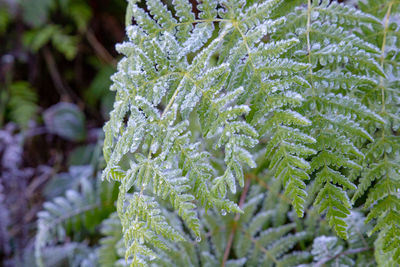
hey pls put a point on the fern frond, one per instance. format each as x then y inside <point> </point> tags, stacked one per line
<point>66,215</point>
<point>344,14</point>
<point>334,50</point>
<point>203,98</point>
<point>380,181</point>
<point>22,103</point>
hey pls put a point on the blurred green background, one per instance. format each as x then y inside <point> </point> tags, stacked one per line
<point>56,59</point>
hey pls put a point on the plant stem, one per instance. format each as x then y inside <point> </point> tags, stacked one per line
<point>382,58</point>
<point>234,226</point>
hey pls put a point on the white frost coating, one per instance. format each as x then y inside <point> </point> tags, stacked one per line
<point>294,95</point>
<point>325,246</point>
<point>201,33</point>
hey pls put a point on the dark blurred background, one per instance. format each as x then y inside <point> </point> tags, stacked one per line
<point>56,58</point>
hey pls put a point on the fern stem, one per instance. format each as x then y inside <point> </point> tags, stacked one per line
<point>308,31</point>
<point>171,101</point>
<point>236,25</point>
<point>382,58</point>
<point>308,42</point>
<point>236,219</point>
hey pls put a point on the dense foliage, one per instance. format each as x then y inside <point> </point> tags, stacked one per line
<point>243,133</point>
<point>206,102</point>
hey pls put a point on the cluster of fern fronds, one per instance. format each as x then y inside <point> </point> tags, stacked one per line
<point>284,114</point>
